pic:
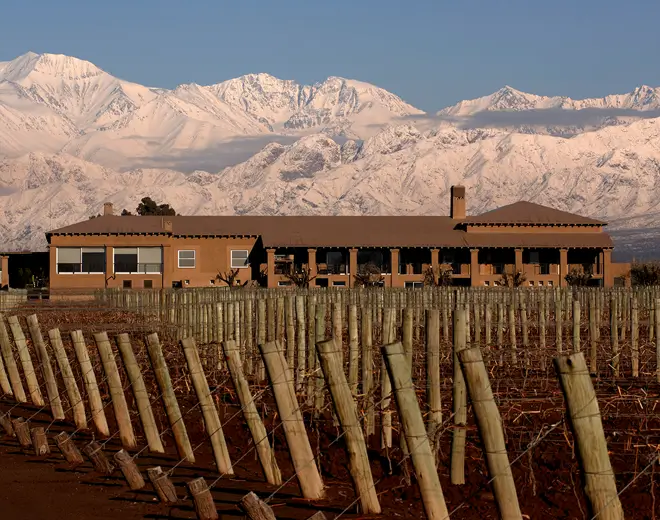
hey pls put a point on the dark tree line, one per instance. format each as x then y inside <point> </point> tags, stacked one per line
<point>148,207</point>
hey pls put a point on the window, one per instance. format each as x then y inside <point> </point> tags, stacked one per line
<point>534,257</point>
<point>186,258</point>
<point>339,284</point>
<point>540,283</point>
<point>531,283</point>
<point>131,260</point>
<point>148,284</point>
<point>283,284</point>
<point>127,284</point>
<point>76,260</point>
<point>414,285</point>
<point>212,282</point>
<point>486,283</point>
<point>549,283</point>
<point>239,258</point>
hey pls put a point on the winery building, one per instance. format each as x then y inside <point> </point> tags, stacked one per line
<point>137,252</point>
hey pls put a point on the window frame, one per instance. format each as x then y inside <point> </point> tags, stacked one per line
<point>247,258</point>
<point>138,272</point>
<point>194,259</point>
<point>80,249</point>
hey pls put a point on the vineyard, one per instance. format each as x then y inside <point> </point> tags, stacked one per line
<point>336,403</point>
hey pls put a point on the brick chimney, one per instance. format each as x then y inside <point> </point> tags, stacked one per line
<point>457,207</point>
<point>107,209</point>
<point>167,226</point>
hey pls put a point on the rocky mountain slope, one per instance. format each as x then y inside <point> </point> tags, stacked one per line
<point>73,137</point>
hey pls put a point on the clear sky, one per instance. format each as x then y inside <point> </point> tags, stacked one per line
<point>432,53</point>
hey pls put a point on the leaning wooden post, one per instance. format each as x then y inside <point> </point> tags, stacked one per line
<point>75,400</point>
<point>10,363</point>
<point>5,423</point>
<point>202,499</point>
<point>140,393</point>
<point>119,404</point>
<point>130,470</point>
<point>292,421</point>
<point>413,428</point>
<point>330,356</point>
<point>93,394</point>
<point>209,411</point>
<point>169,399</point>
<point>489,422</point>
<point>584,416</point>
<point>255,508</point>
<point>46,368</point>
<point>39,441</point>
<point>22,431</point>
<point>457,471</point>
<point>94,452</point>
<point>69,449</point>
<point>5,385</point>
<point>26,361</point>
<point>255,424</point>
<point>162,485</point>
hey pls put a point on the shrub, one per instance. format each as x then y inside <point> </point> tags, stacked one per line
<point>645,273</point>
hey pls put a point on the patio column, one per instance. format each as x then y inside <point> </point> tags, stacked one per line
<point>394,276</point>
<point>563,266</point>
<point>608,274</point>
<point>475,279</point>
<point>4,271</point>
<point>519,259</point>
<point>270,270</point>
<point>311,262</point>
<point>435,259</point>
<point>352,266</point>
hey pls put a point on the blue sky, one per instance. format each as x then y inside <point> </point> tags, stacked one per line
<point>432,53</point>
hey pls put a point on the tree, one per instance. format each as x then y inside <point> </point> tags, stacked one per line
<point>125,212</point>
<point>148,207</point>
<point>645,273</point>
<point>231,278</point>
<point>578,277</point>
<point>441,277</point>
<point>515,279</point>
<point>368,275</point>
<point>300,278</point>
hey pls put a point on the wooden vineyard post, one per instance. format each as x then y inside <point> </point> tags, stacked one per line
<point>386,384</point>
<point>542,322</point>
<point>202,499</point>
<point>22,431</point>
<point>100,462</point>
<point>558,322</point>
<point>576,325</point>
<point>46,368</point>
<point>261,336</point>
<point>26,361</point>
<point>584,415</point>
<point>140,393</point>
<point>169,399</point>
<point>457,470</point>
<point>130,470</point>
<point>93,394</point>
<point>255,508</point>
<point>10,363</point>
<point>209,411</point>
<point>367,371</point>
<point>634,335</point>
<point>290,331</point>
<point>433,396</point>
<point>39,441</point>
<point>5,385</point>
<point>413,428</point>
<point>75,400</point>
<point>656,317</point>
<point>353,348</point>
<point>301,344</point>
<point>292,421</point>
<point>319,335</point>
<point>5,423</point>
<point>162,485</point>
<point>119,404</point>
<point>69,449</point>
<point>255,424</point>
<point>614,335</point>
<point>593,339</point>
<point>512,332</point>
<point>489,422</point>
<point>342,399</point>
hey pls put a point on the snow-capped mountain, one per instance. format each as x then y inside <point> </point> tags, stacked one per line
<point>52,103</point>
<point>73,136</point>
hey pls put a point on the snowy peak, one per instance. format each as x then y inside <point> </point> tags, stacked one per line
<point>48,65</point>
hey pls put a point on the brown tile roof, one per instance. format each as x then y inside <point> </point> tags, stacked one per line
<point>524,212</point>
<point>336,231</point>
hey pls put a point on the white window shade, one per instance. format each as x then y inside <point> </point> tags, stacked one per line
<point>187,258</point>
<point>239,258</point>
<point>150,255</point>
<point>68,255</point>
<point>126,250</point>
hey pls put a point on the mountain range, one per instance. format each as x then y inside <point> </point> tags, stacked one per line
<point>73,136</point>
